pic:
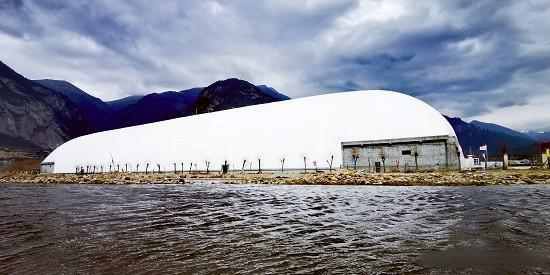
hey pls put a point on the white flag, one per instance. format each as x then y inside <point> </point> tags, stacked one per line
<point>483,148</point>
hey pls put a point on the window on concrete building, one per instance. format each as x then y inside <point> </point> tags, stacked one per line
<point>406,152</point>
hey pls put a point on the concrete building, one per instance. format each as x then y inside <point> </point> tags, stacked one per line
<point>388,130</point>
<point>403,155</point>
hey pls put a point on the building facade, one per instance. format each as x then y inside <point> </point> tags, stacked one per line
<point>403,155</point>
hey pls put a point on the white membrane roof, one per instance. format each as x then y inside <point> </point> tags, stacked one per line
<point>313,127</point>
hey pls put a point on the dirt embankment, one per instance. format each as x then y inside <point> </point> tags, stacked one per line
<point>340,177</point>
<point>13,167</point>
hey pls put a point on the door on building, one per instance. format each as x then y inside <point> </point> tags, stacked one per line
<point>377,167</point>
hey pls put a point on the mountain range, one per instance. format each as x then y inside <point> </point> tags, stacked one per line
<point>497,138</point>
<point>541,136</point>
<point>39,115</point>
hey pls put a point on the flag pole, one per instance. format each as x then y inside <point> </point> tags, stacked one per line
<point>486,156</point>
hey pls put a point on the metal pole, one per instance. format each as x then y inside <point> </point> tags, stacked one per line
<point>446,156</point>
<point>486,156</point>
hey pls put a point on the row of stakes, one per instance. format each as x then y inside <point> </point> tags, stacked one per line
<point>93,169</point>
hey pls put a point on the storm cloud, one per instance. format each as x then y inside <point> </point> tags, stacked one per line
<point>485,60</point>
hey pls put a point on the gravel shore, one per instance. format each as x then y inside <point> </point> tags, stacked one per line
<point>339,177</point>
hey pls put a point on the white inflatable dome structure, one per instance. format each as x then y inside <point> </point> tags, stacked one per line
<point>257,136</point>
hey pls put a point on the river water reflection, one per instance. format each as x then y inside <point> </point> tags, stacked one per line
<point>250,229</point>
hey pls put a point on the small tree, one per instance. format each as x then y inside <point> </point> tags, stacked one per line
<point>282,165</point>
<point>190,167</point>
<point>118,168</point>
<point>137,168</point>
<point>416,161</point>
<point>182,168</point>
<point>207,166</point>
<point>259,165</point>
<point>458,157</point>
<point>305,165</point>
<point>225,167</point>
<point>504,158</point>
<point>242,168</point>
<point>146,167</point>
<point>158,165</point>
<point>175,171</point>
<point>126,167</point>
<point>330,163</point>
<point>315,165</point>
<point>355,160</point>
<point>355,157</point>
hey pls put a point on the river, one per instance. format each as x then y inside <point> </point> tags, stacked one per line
<point>256,229</point>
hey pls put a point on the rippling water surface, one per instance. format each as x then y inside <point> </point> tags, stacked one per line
<point>250,229</point>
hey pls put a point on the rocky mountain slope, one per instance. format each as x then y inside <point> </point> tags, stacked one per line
<point>234,93</point>
<point>34,116</point>
<point>42,114</point>
<point>157,107</point>
<point>119,104</point>
<point>540,136</point>
<point>96,112</point>
<point>498,138</point>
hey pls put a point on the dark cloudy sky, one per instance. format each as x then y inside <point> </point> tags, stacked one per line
<point>486,60</point>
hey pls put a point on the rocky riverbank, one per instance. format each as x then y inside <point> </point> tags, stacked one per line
<point>340,177</point>
<point>497,177</point>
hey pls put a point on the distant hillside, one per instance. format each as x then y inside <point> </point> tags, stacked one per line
<point>96,112</point>
<point>498,129</point>
<point>473,135</point>
<point>42,114</point>
<point>234,93</point>
<point>270,92</point>
<point>223,94</point>
<point>119,104</point>
<point>34,116</point>
<point>539,136</point>
<point>157,107</point>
